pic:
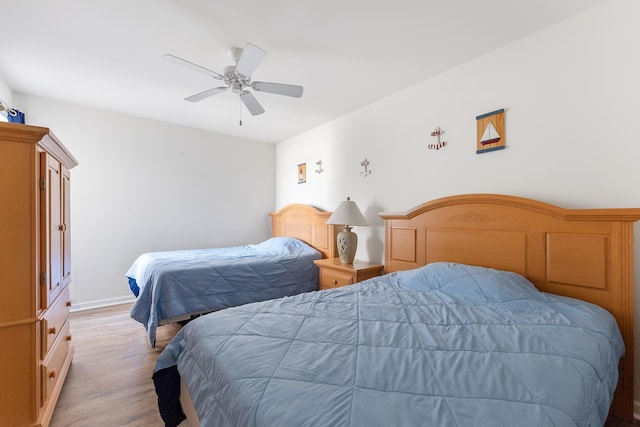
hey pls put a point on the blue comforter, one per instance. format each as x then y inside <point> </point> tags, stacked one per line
<point>442,345</point>
<point>177,283</point>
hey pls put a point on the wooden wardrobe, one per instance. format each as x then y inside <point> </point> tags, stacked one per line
<point>35,271</point>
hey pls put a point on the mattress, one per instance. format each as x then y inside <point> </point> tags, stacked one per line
<point>442,345</point>
<point>173,284</point>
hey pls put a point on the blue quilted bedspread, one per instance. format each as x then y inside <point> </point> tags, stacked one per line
<point>177,283</point>
<point>442,345</point>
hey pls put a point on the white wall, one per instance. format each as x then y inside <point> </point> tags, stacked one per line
<point>5,92</point>
<point>572,100</point>
<point>144,185</point>
<point>7,96</point>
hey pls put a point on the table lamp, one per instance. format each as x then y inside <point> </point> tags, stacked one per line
<point>347,214</point>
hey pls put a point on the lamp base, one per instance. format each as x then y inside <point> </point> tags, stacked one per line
<point>347,245</point>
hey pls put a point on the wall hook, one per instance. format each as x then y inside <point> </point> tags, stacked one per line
<point>365,164</point>
<point>319,169</point>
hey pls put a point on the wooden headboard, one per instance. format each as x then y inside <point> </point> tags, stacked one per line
<point>307,224</point>
<point>585,254</point>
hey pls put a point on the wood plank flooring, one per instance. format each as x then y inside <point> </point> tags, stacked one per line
<point>109,383</point>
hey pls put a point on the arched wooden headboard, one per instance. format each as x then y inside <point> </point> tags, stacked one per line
<point>307,224</point>
<point>581,253</point>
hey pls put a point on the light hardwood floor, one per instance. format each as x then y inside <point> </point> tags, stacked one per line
<point>109,383</point>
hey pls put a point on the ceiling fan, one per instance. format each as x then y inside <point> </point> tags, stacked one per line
<point>238,78</point>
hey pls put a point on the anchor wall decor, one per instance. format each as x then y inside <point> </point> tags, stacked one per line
<point>365,164</point>
<point>440,144</point>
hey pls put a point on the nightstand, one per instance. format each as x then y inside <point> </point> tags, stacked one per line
<point>334,274</point>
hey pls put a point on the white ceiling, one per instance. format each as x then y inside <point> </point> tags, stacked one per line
<point>346,53</point>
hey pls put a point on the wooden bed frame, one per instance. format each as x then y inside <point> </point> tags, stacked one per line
<point>585,254</point>
<point>308,224</point>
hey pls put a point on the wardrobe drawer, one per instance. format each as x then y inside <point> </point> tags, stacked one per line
<point>52,366</point>
<point>53,320</point>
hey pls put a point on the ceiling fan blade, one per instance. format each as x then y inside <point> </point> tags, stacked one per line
<point>207,93</point>
<point>251,103</point>
<point>195,67</point>
<point>278,88</point>
<point>251,57</point>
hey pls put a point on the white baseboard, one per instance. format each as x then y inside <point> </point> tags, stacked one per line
<point>90,305</point>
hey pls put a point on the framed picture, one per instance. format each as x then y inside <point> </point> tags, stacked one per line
<point>490,132</point>
<point>302,173</point>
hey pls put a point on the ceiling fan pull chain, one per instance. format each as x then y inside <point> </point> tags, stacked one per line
<point>240,105</point>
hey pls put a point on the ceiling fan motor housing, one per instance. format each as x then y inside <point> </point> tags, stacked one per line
<point>229,70</point>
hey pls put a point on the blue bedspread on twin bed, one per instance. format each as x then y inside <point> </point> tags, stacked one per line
<point>442,345</point>
<point>177,283</point>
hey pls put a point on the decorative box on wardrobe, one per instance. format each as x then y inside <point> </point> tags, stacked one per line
<point>35,271</point>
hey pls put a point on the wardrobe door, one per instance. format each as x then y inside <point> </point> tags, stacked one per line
<point>51,226</point>
<point>65,204</point>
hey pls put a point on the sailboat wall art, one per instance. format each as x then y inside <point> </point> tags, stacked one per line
<point>490,132</point>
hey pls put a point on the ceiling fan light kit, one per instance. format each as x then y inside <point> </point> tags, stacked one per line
<point>238,78</point>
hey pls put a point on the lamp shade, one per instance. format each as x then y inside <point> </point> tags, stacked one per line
<point>347,213</point>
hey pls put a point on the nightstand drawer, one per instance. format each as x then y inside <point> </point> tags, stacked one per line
<point>334,274</point>
<point>334,279</point>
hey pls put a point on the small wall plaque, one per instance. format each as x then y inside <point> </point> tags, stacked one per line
<point>490,132</point>
<point>302,173</point>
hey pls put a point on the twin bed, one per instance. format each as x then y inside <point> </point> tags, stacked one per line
<point>173,286</point>
<point>458,332</point>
